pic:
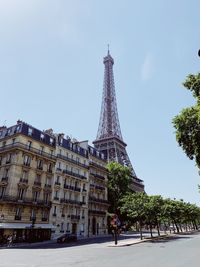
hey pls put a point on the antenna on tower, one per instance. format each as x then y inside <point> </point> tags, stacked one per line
<point>108,50</point>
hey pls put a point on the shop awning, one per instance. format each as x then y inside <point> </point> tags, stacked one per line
<point>26,226</point>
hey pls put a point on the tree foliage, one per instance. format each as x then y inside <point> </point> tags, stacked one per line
<point>119,180</point>
<point>187,123</point>
<point>156,212</point>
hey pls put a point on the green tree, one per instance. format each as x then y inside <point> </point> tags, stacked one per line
<point>135,206</point>
<point>119,181</point>
<point>187,123</point>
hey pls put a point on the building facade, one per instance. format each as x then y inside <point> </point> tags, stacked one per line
<point>27,163</point>
<point>69,213</point>
<point>50,185</point>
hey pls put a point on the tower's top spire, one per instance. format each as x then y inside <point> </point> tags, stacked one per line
<point>109,121</point>
<point>108,50</point>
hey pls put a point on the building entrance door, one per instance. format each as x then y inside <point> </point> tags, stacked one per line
<point>74,228</point>
<point>94,226</point>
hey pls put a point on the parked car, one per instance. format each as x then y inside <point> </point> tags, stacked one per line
<point>66,238</point>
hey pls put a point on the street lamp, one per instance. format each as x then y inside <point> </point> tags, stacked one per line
<point>199,52</point>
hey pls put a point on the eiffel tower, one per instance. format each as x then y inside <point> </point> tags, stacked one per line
<point>109,137</point>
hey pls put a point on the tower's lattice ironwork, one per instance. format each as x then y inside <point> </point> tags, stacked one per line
<point>109,137</point>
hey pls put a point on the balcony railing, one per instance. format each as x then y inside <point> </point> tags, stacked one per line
<point>18,217</point>
<point>4,179</point>
<point>37,183</point>
<point>44,219</point>
<point>74,174</point>
<point>70,187</point>
<point>47,186</point>
<point>28,148</point>
<point>72,161</point>
<point>70,201</point>
<point>97,165</point>
<point>94,199</point>
<point>100,212</point>
<point>75,217</point>
<point>57,183</point>
<point>98,176</point>
<point>25,201</point>
<point>23,181</point>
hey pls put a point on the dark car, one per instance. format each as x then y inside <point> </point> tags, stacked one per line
<point>66,238</point>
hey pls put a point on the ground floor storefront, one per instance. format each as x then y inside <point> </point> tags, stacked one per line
<point>24,232</point>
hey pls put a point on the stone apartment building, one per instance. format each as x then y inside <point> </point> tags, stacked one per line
<point>27,163</point>
<point>50,185</point>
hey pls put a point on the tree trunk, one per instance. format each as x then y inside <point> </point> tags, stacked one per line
<point>151,230</point>
<point>176,227</point>
<point>141,237</point>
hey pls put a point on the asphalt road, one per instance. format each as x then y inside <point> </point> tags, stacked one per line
<point>176,251</point>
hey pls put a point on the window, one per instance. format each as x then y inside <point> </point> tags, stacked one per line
<point>17,128</point>
<point>18,213</point>
<point>27,160</point>
<point>83,199</point>
<point>30,131</point>
<point>77,159</point>
<point>1,133</point>
<point>41,149</point>
<point>38,178</point>
<point>2,191</point>
<point>54,210</point>
<point>45,215</point>
<point>36,195</point>
<point>33,214</point>
<point>51,141</point>
<point>8,158</point>
<point>42,137</point>
<point>6,173</point>
<point>4,144</point>
<point>29,143</point>
<point>24,175</point>
<point>0,160</point>
<point>50,168</point>
<point>13,140</point>
<point>40,164</point>
<point>56,196</point>
<point>21,193</point>
<point>46,197</point>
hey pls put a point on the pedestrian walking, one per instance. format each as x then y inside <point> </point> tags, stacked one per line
<point>9,241</point>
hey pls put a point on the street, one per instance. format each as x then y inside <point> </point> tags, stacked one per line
<point>176,251</point>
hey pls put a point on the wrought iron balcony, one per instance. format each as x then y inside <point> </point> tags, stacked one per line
<point>37,183</point>
<point>25,201</point>
<point>70,201</point>
<point>47,186</point>
<point>97,212</point>
<point>4,179</point>
<point>27,148</point>
<point>18,217</point>
<point>57,183</point>
<point>94,199</point>
<point>74,174</point>
<point>92,163</point>
<point>72,161</point>
<point>23,181</point>
<point>75,217</point>
<point>98,176</point>
<point>44,219</point>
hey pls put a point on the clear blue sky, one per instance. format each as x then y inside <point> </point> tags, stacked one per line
<point>51,75</point>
